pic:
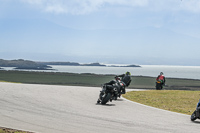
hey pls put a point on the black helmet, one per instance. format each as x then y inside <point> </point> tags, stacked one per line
<point>128,73</point>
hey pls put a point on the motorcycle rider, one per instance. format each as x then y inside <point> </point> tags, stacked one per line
<point>126,78</point>
<point>161,78</point>
<point>198,104</point>
<point>198,108</point>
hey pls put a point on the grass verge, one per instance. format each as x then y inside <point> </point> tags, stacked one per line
<point>173,100</point>
<point>95,80</point>
<point>8,130</point>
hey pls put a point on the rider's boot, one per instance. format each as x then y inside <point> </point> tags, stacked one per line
<point>98,101</point>
<point>111,100</point>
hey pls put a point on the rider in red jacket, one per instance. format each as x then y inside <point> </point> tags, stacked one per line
<point>161,78</point>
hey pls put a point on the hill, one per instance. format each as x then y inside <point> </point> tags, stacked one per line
<point>23,64</point>
<point>27,64</point>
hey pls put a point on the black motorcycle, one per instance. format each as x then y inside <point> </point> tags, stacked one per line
<point>111,91</point>
<point>159,85</point>
<point>120,85</point>
<point>196,114</point>
<point>108,93</point>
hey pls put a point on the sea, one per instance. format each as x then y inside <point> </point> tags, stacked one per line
<point>188,72</point>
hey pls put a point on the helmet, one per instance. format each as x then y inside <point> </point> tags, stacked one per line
<point>161,73</point>
<point>128,73</point>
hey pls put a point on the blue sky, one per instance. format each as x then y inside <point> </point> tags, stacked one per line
<point>150,32</point>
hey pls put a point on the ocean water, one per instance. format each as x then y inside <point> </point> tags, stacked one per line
<point>189,72</point>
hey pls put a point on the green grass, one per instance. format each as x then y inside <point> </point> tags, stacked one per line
<point>173,100</point>
<point>53,78</point>
<point>57,78</point>
<point>172,83</point>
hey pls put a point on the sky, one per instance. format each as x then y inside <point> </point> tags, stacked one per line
<point>142,32</point>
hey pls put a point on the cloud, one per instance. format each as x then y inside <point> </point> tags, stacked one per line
<point>81,6</point>
<point>33,1</point>
<point>191,5</point>
<point>77,7</point>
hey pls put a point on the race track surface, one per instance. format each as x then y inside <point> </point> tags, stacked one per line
<point>72,109</point>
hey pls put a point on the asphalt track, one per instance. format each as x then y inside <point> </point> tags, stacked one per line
<point>72,109</point>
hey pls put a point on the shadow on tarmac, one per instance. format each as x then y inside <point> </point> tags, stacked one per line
<point>197,122</point>
<point>105,104</point>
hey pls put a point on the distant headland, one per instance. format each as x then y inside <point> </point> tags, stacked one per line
<point>32,65</point>
<point>23,64</point>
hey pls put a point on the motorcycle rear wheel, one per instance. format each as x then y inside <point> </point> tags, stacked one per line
<point>158,86</point>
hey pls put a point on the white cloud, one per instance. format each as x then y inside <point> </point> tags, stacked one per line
<point>81,6</point>
<point>177,5</point>
<point>33,1</point>
<point>89,6</point>
<point>191,5</point>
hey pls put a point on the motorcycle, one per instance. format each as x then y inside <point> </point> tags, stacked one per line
<point>120,85</point>
<point>196,114</point>
<point>159,85</point>
<point>108,93</point>
<point>111,92</point>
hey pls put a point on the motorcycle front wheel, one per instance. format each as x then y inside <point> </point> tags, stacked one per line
<point>193,116</point>
<point>106,98</point>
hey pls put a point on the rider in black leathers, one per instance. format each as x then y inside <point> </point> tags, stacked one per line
<point>198,108</point>
<point>126,78</point>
